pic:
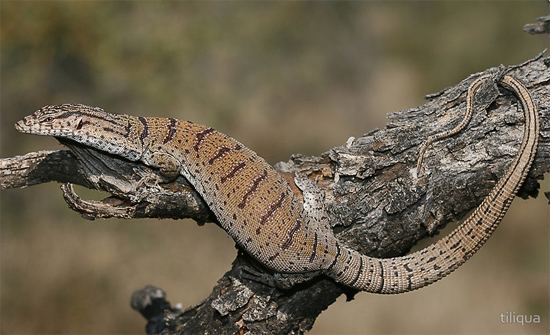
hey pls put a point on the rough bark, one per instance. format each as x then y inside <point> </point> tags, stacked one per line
<point>542,26</point>
<point>376,203</point>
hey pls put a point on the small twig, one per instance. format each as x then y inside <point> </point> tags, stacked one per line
<point>540,27</point>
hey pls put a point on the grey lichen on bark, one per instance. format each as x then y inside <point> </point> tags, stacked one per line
<point>377,203</point>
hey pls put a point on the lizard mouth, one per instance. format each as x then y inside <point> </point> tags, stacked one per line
<point>23,126</point>
<point>29,126</point>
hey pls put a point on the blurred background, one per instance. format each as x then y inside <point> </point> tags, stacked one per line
<point>283,78</point>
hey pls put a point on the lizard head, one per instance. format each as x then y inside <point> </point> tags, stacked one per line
<point>90,126</point>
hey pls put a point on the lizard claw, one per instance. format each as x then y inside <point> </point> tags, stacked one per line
<point>90,209</point>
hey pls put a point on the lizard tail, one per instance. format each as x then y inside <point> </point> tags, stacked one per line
<point>419,269</point>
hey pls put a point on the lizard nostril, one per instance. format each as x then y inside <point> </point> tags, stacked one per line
<point>21,124</point>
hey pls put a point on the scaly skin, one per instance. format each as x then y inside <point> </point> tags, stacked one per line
<point>256,206</point>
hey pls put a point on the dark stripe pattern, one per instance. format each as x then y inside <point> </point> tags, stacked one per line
<point>314,252</point>
<point>145,131</point>
<point>111,130</point>
<point>291,233</point>
<point>381,276</point>
<point>82,123</point>
<point>108,119</point>
<point>171,130</point>
<point>233,172</point>
<point>254,187</point>
<point>272,209</point>
<point>221,151</point>
<point>271,258</point>
<point>201,136</point>
<point>128,128</point>
<point>335,257</point>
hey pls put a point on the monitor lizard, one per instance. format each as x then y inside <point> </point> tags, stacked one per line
<point>257,207</point>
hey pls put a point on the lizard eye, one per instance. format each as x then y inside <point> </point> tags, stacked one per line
<point>49,119</point>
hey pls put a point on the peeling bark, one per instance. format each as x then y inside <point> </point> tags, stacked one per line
<point>376,203</point>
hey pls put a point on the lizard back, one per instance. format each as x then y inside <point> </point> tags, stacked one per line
<point>251,200</point>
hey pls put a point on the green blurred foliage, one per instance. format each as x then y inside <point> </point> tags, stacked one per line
<point>283,77</point>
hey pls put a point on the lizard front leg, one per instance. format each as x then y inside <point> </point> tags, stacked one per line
<point>168,165</point>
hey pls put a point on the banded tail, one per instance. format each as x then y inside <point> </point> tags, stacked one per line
<point>419,269</point>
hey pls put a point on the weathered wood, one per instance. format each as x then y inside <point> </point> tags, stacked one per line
<point>40,167</point>
<point>376,205</point>
<point>542,26</point>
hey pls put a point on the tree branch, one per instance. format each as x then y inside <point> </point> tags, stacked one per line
<point>376,204</point>
<point>542,26</point>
